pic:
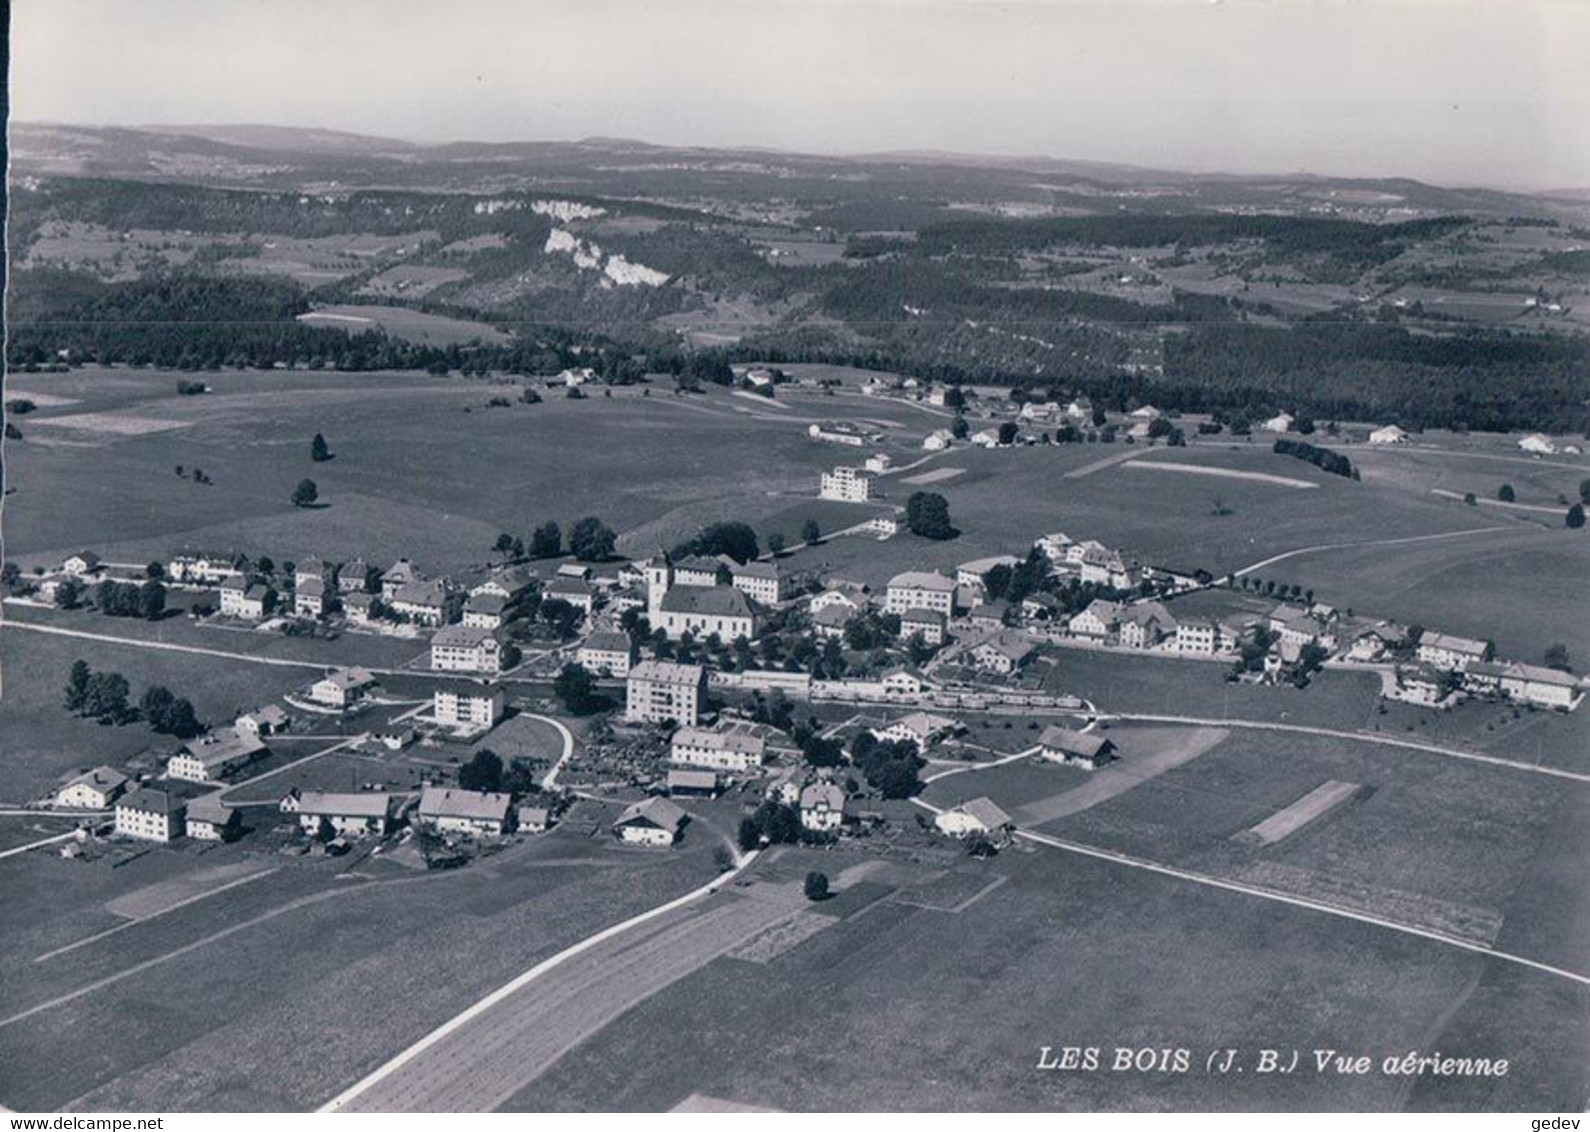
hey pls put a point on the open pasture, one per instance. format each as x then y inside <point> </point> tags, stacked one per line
<point>1067,951</point>
<point>402,323</point>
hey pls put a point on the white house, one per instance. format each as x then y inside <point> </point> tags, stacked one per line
<point>464,648</point>
<point>1003,653</point>
<point>309,598</point>
<point>762,582</point>
<point>1539,444</point>
<point>879,462</point>
<point>82,564</point>
<point>734,751</point>
<point>429,603</point>
<point>1451,652</point>
<point>938,440</point>
<point>1144,625</point>
<point>978,816</point>
<point>917,589</point>
<point>469,812</point>
<point>401,573</point>
<point>476,705</point>
<point>654,822</point>
<point>659,690</point>
<point>343,687</point>
<point>851,600</point>
<point>607,653</point>
<point>1543,687</point>
<point>512,585</point>
<point>212,757</point>
<point>925,623</point>
<point>150,815</point>
<point>485,611</point>
<point>919,727</point>
<point>348,815</point>
<point>203,567</point>
<point>1198,636</point>
<point>93,790</point>
<point>207,818</point>
<point>241,598</point>
<point>1281,422</point>
<point>1098,622</point>
<point>846,484</point>
<point>822,806</point>
<point>1388,434</point>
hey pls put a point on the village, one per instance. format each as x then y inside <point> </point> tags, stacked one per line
<point>799,705</point>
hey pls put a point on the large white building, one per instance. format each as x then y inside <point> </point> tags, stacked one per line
<point>607,653</point>
<point>654,822</point>
<point>699,610</point>
<point>240,598</point>
<point>846,484</point>
<point>213,757</point>
<point>150,815</point>
<point>736,751</point>
<point>1445,650</point>
<point>659,690</point>
<point>917,589</point>
<point>348,815</point>
<point>478,705</point>
<point>342,688</point>
<point>469,812</point>
<point>94,790</point>
<point>762,582</point>
<point>465,648</point>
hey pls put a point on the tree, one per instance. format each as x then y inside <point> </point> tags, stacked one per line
<point>811,533</point>
<point>735,539</point>
<point>1505,493</point>
<point>77,685</point>
<point>1584,491</point>
<point>775,543</point>
<point>546,541</point>
<point>151,600</point>
<point>155,704</point>
<point>504,543</point>
<point>1575,517</point>
<point>897,778</point>
<point>959,429</point>
<point>319,452</point>
<point>482,772</point>
<point>816,886</point>
<point>69,594</point>
<point>305,493</point>
<point>592,540</point>
<point>1557,657</point>
<point>1159,427</point>
<point>155,570</point>
<point>576,688</point>
<point>1007,433</point>
<point>927,513</point>
<point>749,835</point>
<point>105,697</point>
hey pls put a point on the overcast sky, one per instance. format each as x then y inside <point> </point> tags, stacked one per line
<point>1490,92</point>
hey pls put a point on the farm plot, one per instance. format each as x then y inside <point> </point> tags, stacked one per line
<point>408,325</point>
<point>1077,953</point>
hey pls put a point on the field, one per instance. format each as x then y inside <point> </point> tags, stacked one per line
<point>982,991</point>
<point>164,1017</point>
<point>408,325</point>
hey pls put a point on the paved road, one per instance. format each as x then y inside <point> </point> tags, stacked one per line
<point>551,778</point>
<point>14,851</point>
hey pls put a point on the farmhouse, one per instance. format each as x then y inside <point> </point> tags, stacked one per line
<point>1281,422</point>
<point>1297,626</point>
<point>990,616</point>
<point>342,688</point>
<point>846,484</point>
<point>264,721</point>
<point>463,648</point>
<point>1054,546</point>
<point>682,783</point>
<point>822,806</point>
<point>1143,626</point>
<point>924,623</point>
<point>576,570</point>
<point>830,621</point>
<point>1098,621</point>
<point>207,819</point>
<point>762,582</point>
<point>242,598</point>
<point>313,569</point>
<point>1004,653</point>
<point>916,589</point>
<point>575,591</point>
<point>347,815</point>
<point>1453,653</point>
<point>429,603</point>
<point>213,757</point>
<point>309,598</point>
<point>476,705</point>
<point>607,653</point>
<point>82,564</point>
<point>359,607</point>
<point>938,440</point>
<point>93,790</point>
<point>850,599</point>
<point>735,751</point>
<point>1085,749</point>
<point>1389,434</point>
<point>1105,568</point>
<point>704,611</point>
<point>400,574</point>
<point>1423,685</point>
<point>978,816</point>
<point>920,728</point>
<point>657,691</point>
<point>511,585</point>
<point>204,567</point>
<point>654,822</point>
<point>1041,606</point>
<point>975,573</point>
<point>150,815</point>
<point>354,577</point>
<point>1539,444</point>
<point>469,812</point>
<point>879,463</point>
<point>1530,684</point>
<point>485,611</point>
<point>534,819</point>
<point>838,433</point>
